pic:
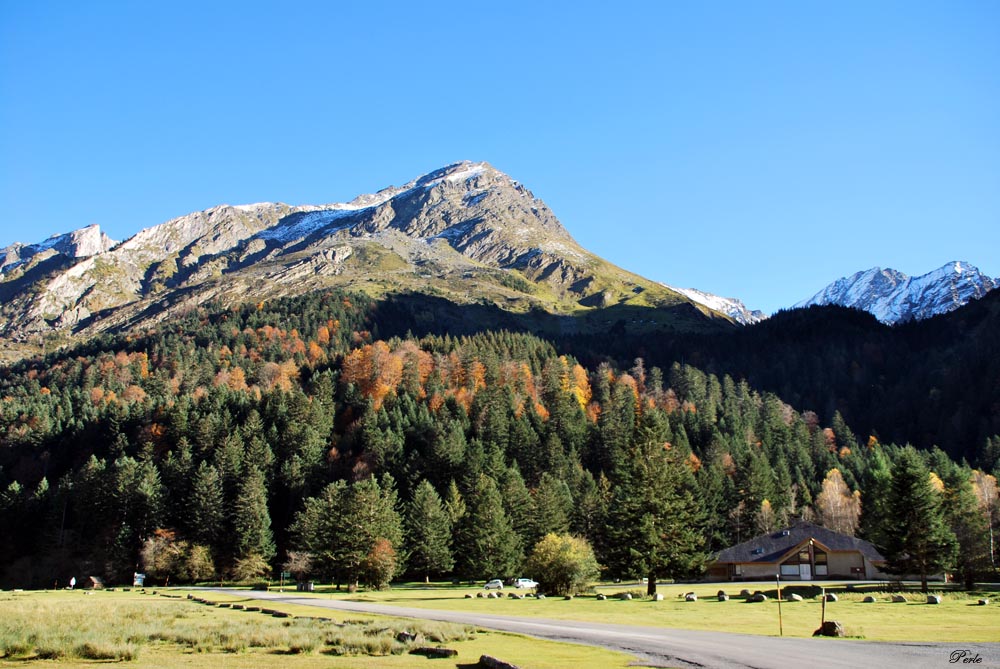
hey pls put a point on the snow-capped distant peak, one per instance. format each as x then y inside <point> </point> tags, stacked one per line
<point>730,306</point>
<point>893,297</point>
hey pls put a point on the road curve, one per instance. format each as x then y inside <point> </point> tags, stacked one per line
<point>665,647</point>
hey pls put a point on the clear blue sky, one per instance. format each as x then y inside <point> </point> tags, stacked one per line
<point>750,149</point>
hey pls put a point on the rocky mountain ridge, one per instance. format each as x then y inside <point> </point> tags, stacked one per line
<point>467,232</point>
<point>82,243</point>
<point>894,297</point>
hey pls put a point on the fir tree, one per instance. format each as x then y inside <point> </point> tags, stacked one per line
<point>654,521</point>
<point>252,521</point>
<point>428,533</point>
<point>486,544</point>
<point>918,541</point>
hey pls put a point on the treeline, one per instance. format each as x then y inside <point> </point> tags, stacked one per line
<point>289,434</point>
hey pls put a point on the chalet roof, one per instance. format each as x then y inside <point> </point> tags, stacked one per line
<point>773,547</point>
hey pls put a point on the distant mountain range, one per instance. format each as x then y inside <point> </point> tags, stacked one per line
<point>893,297</point>
<point>467,233</point>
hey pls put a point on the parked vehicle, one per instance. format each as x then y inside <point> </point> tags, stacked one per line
<point>495,584</point>
<point>525,583</point>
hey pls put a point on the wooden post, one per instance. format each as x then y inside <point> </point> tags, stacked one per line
<point>777,583</point>
<point>822,618</point>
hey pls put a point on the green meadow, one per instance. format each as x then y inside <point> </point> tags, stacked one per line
<point>166,630</point>
<point>957,618</point>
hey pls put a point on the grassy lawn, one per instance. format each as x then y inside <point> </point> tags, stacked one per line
<point>957,618</point>
<point>77,629</point>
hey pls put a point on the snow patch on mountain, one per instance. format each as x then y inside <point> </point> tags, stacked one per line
<point>730,306</point>
<point>306,225</point>
<point>894,297</point>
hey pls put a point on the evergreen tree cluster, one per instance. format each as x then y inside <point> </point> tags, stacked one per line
<point>316,435</point>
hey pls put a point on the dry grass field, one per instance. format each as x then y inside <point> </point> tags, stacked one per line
<point>79,629</point>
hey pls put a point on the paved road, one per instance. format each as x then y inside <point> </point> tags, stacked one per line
<point>663,647</point>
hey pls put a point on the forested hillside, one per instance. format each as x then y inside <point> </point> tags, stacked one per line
<point>929,383</point>
<point>321,434</point>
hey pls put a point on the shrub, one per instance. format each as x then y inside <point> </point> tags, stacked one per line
<point>562,564</point>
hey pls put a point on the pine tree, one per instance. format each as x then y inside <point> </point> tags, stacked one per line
<point>966,520</point>
<point>917,538</point>
<point>519,504</point>
<point>553,504</point>
<point>486,544</point>
<point>654,521</point>
<point>428,533</point>
<point>454,505</point>
<point>251,519</point>
<point>205,513</point>
<point>875,494</point>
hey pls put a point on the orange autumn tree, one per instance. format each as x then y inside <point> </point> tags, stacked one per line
<point>374,369</point>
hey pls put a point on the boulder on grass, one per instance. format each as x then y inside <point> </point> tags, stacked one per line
<point>933,599</point>
<point>723,597</point>
<point>984,602</point>
<point>601,597</point>
<point>493,663</point>
<point>795,597</point>
<point>745,593</point>
<point>869,600</point>
<point>626,595</point>
<point>434,652</point>
<point>831,597</point>
<point>898,599</point>
<point>830,628</point>
<point>690,597</point>
<point>759,597</point>
<point>658,597</point>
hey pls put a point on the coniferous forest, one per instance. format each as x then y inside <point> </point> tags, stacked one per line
<point>354,441</point>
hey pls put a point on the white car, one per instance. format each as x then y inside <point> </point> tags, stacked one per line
<point>495,584</point>
<point>525,583</point>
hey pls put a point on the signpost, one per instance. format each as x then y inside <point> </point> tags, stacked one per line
<point>284,575</point>
<point>777,583</point>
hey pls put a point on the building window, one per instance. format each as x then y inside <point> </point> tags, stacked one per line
<point>821,564</point>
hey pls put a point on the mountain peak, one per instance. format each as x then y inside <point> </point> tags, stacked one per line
<point>894,297</point>
<point>732,307</point>
<point>82,243</point>
<point>465,231</point>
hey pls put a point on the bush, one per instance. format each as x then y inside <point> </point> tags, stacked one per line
<point>562,564</point>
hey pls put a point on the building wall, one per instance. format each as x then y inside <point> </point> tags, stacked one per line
<point>839,567</point>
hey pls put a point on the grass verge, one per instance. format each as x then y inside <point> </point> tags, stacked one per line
<point>958,617</point>
<point>77,629</point>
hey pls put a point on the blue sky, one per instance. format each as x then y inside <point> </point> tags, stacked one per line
<point>750,149</point>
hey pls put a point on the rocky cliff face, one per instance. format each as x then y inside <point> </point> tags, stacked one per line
<point>18,258</point>
<point>467,232</point>
<point>894,297</point>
